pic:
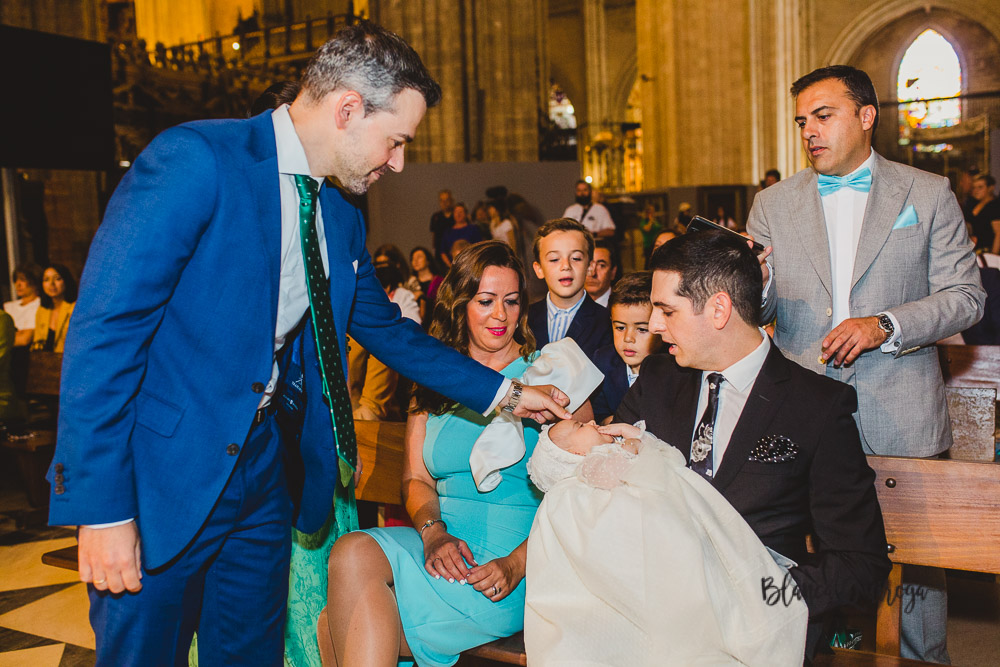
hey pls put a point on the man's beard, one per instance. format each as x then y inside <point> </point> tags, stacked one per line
<point>355,180</point>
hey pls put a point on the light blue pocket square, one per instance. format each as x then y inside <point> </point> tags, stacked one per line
<point>907,218</point>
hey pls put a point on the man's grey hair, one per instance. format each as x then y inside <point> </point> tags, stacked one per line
<point>372,61</point>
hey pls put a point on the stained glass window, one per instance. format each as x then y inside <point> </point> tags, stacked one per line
<point>929,70</point>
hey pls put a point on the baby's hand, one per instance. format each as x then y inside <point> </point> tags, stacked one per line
<point>620,430</point>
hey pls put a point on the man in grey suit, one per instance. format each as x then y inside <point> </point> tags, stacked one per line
<point>870,265</point>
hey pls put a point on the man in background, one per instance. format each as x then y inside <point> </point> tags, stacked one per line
<point>871,266</point>
<point>589,213</point>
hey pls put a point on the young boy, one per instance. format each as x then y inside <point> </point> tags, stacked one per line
<point>630,311</point>
<point>564,250</point>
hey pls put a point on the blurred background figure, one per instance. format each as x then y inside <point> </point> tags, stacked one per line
<point>984,215</point>
<point>56,305</point>
<point>461,228</point>
<point>425,276</point>
<point>25,306</point>
<point>441,220</point>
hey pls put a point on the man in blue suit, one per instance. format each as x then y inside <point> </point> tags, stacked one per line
<point>192,331</point>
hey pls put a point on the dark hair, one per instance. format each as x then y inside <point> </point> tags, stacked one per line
<point>584,183</point>
<point>859,86</point>
<point>563,225</point>
<point>449,322</point>
<point>710,262</point>
<point>376,63</point>
<point>31,275</point>
<point>431,261</point>
<point>632,290</point>
<point>283,92</point>
<point>388,277</point>
<point>986,178</point>
<point>612,249</point>
<point>773,172</point>
<point>69,286</point>
<point>396,258</point>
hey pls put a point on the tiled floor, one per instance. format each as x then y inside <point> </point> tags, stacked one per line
<point>43,609</point>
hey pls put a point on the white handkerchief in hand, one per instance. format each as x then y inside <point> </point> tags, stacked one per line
<point>501,444</point>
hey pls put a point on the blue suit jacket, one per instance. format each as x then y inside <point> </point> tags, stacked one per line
<point>590,328</point>
<point>175,325</point>
<point>609,395</point>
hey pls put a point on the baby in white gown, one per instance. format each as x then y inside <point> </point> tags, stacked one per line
<point>570,448</point>
<point>634,559</point>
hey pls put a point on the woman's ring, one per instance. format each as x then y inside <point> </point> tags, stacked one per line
<point>438,558</point>
<point>496,590</point>
<point>104,581</point>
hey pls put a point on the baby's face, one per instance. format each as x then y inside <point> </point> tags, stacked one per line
<point>577,437</point>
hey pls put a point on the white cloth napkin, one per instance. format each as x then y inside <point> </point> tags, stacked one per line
<point>501,444</point>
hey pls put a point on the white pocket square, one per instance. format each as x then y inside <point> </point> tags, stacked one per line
<point>355,263</point>
<point>907,218</point>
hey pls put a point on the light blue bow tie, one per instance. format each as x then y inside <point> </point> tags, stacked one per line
<point>859,180</point>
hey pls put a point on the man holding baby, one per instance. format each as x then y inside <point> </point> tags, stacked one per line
<point>777,441</point>
<point>753,431</point>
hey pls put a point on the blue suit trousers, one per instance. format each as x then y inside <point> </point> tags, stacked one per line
<point>230,584</point>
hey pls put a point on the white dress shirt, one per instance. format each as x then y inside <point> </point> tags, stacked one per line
<point>844,212</point>
<point>604,298</point>
<point>733,395</point>
<point>596,220</point>
<point>293,295</point>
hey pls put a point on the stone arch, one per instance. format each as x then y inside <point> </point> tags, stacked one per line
<point>869,22</point>
<point>624,81</point>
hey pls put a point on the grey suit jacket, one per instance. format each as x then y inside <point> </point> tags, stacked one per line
<point>924,274</point>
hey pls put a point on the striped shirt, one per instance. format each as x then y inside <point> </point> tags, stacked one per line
<point>559,319</point>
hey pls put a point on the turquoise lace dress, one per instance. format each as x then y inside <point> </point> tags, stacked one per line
<point>440,619</point>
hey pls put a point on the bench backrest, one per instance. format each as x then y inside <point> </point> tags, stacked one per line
<point>937,513</point>
<point>380,447</point>
<point>970,365</point>
<point>44,373</point>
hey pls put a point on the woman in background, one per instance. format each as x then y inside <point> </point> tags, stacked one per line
<point>427,279</point>
<point>57,300</point>
<point>985,214</point>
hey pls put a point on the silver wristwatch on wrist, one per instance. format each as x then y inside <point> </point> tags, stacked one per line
<point>515,396</point>
<point>885,324</point>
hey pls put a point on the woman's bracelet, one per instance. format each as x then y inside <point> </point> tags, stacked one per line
<point>429,523</point>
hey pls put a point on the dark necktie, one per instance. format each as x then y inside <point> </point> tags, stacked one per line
<point>331,367</point>
<point>704,435</point>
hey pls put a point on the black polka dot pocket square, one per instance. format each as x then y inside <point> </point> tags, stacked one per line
<point>774,449</point>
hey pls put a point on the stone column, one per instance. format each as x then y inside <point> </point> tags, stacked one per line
<point>789,65</point>
<point>487,56</point>
<point>657,84</point>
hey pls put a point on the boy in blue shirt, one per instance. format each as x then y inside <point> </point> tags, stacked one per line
<point>564,250</point>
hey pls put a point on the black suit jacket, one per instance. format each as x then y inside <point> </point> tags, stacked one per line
<point>590,328</point>
<point>615,385</point>
<point>827,490</point>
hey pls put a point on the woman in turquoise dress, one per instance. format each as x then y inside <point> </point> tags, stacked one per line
<point>455,581</point>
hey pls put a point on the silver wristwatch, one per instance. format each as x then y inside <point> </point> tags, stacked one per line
<point>515,396</point>
<point>885,324</point>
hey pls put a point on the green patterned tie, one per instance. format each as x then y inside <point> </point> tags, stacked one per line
<point>331,368</point>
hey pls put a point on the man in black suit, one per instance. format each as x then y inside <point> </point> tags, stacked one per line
<point>781,446</point>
